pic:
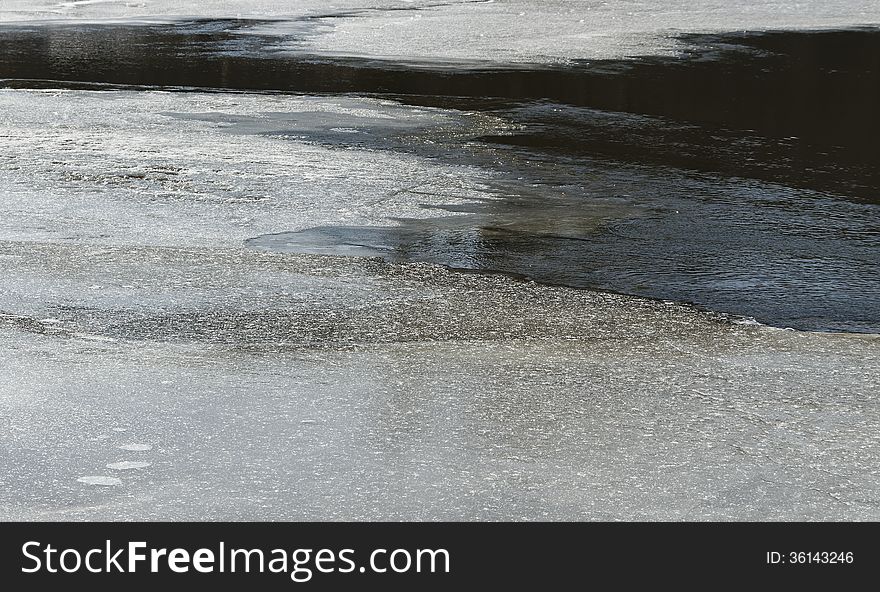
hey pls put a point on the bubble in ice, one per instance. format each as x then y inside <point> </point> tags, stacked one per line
<point>126,465</point>
<point>100,480</point>
<point>119,429</point>
<point>136,447</point>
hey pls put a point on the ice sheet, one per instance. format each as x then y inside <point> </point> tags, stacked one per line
<point>701,423</point>
<point>161,169</point>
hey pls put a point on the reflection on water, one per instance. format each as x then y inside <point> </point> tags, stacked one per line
<point>711,243</point>
<point>741,175</point>
<point>787,256</point>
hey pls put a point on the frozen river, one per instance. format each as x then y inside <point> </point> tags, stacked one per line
<point>505,31</point>
<point>237,305</point>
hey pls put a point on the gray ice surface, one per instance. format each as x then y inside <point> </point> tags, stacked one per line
<point>153,367</point>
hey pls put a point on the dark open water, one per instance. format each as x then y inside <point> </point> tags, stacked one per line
<point>742,176</point>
